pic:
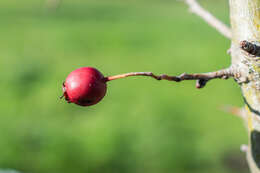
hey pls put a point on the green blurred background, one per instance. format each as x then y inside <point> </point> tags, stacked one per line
<point>142,125</point>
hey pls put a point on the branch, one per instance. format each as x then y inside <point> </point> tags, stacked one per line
<point>209,18</point>
<point>201,78</point>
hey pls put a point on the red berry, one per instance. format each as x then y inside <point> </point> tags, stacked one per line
<point>84,86</point>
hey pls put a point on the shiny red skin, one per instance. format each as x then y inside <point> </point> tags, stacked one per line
<point>85,86</point>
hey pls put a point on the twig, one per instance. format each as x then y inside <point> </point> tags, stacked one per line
<point>201,78</point>
<point>209,18</point>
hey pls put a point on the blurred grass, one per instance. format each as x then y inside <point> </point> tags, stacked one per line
<point>142,125</point>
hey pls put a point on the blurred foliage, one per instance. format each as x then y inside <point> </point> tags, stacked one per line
<point>142,125</point>
<point>8,171</point>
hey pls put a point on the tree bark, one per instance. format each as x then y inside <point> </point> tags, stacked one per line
<point>245,25</point>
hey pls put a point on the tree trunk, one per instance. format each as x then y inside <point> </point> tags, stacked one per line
<point>245,23</point>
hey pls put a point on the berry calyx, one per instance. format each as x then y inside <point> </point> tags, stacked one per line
<point>85,86</point>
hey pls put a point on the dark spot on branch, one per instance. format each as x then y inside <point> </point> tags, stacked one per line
<point>250,48</point>
<point>255,146</point>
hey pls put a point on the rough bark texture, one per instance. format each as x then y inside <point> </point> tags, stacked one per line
<point>245,22</point>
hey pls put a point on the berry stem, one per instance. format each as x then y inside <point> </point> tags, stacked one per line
<point>150,74</point>
<point>202,78</point>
